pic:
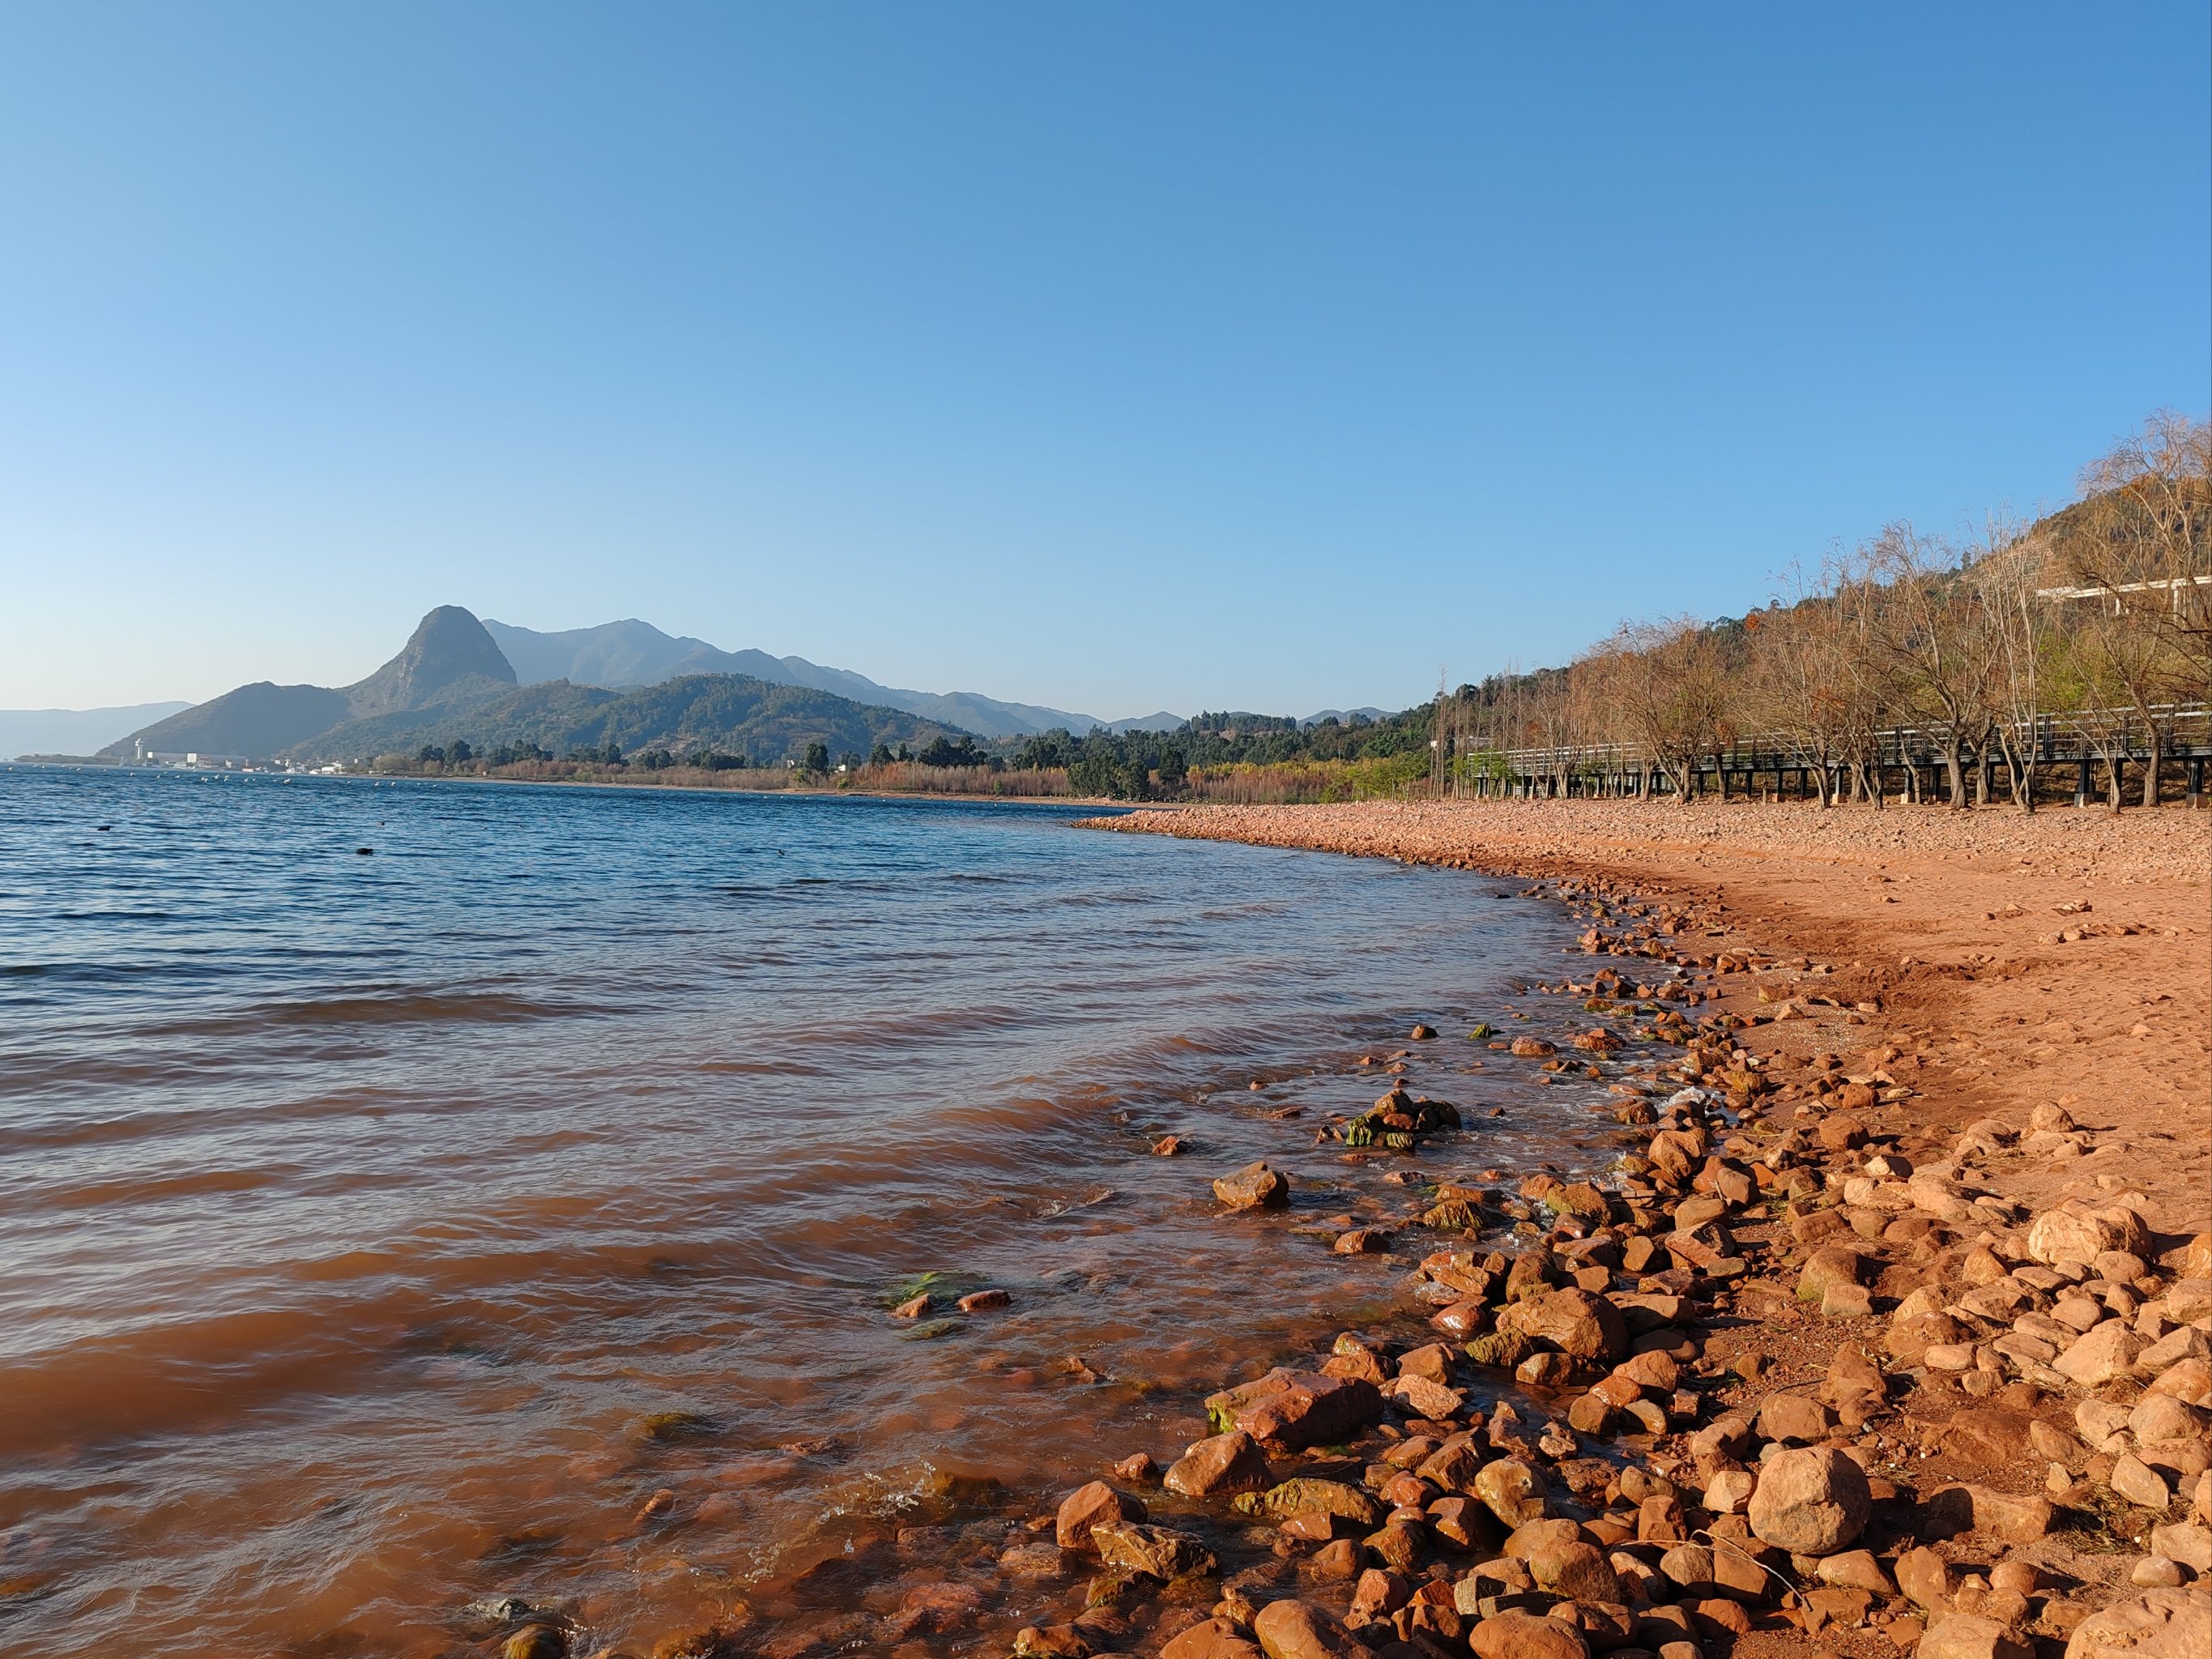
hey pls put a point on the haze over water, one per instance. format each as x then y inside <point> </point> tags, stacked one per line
<point>357,1210</point>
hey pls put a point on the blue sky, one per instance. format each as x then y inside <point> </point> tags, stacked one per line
<point>1111,358</point>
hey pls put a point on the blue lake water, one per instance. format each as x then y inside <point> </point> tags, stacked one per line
<point>357,1209</point>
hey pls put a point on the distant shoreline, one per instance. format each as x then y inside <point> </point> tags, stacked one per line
<point>1086,802</point>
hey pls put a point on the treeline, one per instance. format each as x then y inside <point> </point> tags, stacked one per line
<point>2084,637</point>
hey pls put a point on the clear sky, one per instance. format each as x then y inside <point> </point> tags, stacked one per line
<point>1116,358</point>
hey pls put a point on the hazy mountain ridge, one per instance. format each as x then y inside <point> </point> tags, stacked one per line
<point>76,731</point>
<point>451,682</point>
<point>626,654</point>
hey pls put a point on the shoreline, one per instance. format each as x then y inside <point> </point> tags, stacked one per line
<point>1931,1221</point>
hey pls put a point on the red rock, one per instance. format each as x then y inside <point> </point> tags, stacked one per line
<point>1254,1186</point>
<point>1377,1595</point>
<point>1575,1322</point>
<point>1299,1630</point>
<point>1294,1408</point>
<point>1461,1319</point>
<point>1968,1635</point>
<point>1084,1508</point>
<point>1160,1551</point>
<point>1574,1569</point>
<point>1793,1417</point>
<point>1811,1500</point>
<point>1518,1635</point>
<point>983,1301</point>
<point>1228,1462</point>
<point>1831,1264</point>
<point>1217,1638</point>
<point>2160,1624</point>
<point>1513,1491</point>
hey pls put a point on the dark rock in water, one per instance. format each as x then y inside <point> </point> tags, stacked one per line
<point>535,1641</point>
<point>678,1428</point>
<point>1421,1034</point>
<point>1254,1186</point>
<point>946,1491</point>
<point>495,1613</point>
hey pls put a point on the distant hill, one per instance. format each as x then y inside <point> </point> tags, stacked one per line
<point>451,682</point>
<point>624,655</point>
<point>74,731</point>
<point>254,721</point>
<point>729,713</point>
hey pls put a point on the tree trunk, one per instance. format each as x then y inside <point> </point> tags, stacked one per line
<point>2150,765</point>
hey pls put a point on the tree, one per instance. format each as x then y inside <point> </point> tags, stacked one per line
<point>1798,680</point>
<point>1665,680</point>
<point>2009,570</point>
<point>1933,627</point>
<point>818,758</point>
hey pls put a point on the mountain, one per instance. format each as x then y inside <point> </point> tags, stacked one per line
<point>449,658</point>
<point>1346,716</point>
<point>730,713</point>
<point>253,720</point>
<point>451,682</point>
<point>449,647</point>
<point>74,731</point>
<point>626,654</point>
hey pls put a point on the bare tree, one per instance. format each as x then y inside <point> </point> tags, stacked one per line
<point>1932,626</point>
<point>1799,682</point>
<point>2008,571</point>
<point>1665,681</point>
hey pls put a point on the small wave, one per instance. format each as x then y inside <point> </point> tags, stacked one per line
<point>403,1008</point>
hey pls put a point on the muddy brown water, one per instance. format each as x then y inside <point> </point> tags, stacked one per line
<point>379,1233</point>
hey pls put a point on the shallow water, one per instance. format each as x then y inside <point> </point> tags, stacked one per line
<point>356,1210</point>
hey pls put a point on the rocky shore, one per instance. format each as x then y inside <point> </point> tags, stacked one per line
<point>1859,1340</point>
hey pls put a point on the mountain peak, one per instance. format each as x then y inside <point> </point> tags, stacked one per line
<point>448,645</point>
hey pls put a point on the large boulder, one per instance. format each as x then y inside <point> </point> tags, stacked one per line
<point>1578,1323</point>
<point>1296,1408</point>
<point>1811,1500</point>
<point>1299,1630</point>
<point>2074,1232</point>
<point>2161,1623</point>
<point>2107,1351</point>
